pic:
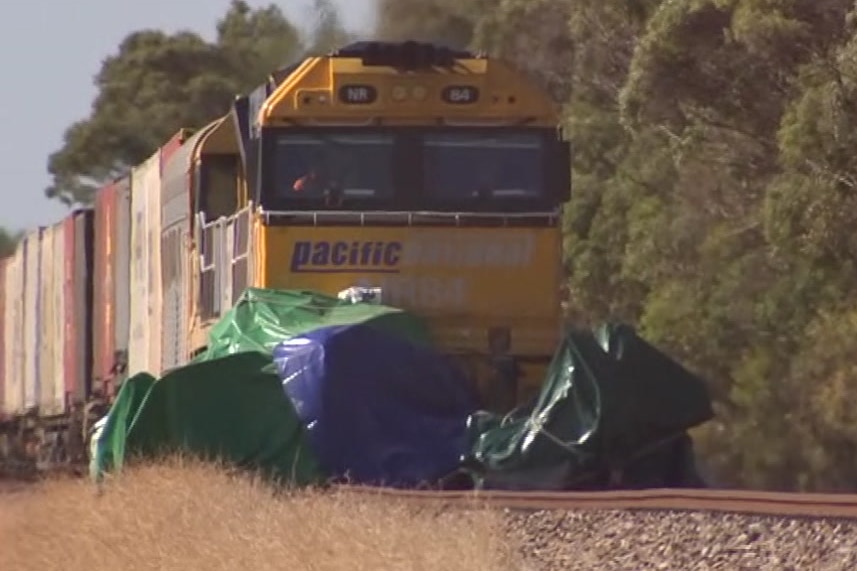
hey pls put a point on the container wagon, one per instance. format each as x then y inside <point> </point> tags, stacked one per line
<point>47,359</point>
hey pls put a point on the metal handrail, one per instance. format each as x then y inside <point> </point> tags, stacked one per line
<point>412,217</point>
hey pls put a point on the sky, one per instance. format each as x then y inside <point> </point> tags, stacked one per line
<point>50,51</point>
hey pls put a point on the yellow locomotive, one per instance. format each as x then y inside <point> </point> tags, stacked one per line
<point>432,174</point>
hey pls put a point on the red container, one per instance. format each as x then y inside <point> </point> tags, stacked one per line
<point>104,292</point>
<point>173,145</point>
<point>78,291</point>
<point>69,340</point>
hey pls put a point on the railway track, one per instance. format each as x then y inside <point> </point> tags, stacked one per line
<point>763,503</point>
<point>780,504</point>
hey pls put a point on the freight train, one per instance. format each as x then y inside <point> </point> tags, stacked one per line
<point>434,174</point>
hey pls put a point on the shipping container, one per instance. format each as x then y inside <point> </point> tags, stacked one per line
<point>51,397</point>
<point>46,330</point>
<point>122,275</point>
<point>169,148</point>
<point>104,293</point>
<point>77,350</point>
<point>32,318</point>
<point>175,266</point>
<point>3,263</point>
<point>155,289</point>
<point>58,327</point>
<point>144,182</point>
<point>13,372</point>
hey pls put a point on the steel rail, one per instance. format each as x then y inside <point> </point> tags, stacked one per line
<point>763,503</point>
<point>780,504</point>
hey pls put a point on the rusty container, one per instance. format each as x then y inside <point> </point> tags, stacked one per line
<point>104,292</point>
<point>78,304</point>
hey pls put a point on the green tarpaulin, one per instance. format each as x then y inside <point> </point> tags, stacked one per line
<point>229,403</point>
<point>611,402</point>
<point>264,317</point>
<point>111,441</point>
<point>228,408</point>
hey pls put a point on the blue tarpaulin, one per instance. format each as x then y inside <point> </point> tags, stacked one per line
<point>377,408</point>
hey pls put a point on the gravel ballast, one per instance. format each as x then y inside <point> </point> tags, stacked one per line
<point>639,540</point>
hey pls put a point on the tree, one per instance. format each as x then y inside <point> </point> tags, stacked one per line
<point>8,242</point>
<point>257,42</point>
<point>714,200</point>
<point>329,33</point>
<point>543,47</point>
<point>450,22</point>
<point>157,83</point>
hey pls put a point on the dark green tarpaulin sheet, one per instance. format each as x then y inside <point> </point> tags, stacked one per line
<point>231,408</point>
<point>608,401</point>
<point>109,452</point>
<point>229,403</point>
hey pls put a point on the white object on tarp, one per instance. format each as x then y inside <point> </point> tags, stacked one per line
<point>95,433</point>
<point>359,294</point>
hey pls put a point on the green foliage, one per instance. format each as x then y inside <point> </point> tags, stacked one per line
<point>329,32</point>
<point>153,86</point>
<point>157,83</point>
<point>714,203</point>
<point>8,242</point>
<point>255,42</point>
<point>451,22</point>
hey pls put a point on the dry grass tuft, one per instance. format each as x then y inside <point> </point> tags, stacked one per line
<point>186,515</point>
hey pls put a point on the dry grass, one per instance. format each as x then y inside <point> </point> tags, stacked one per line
<point>185,516</point>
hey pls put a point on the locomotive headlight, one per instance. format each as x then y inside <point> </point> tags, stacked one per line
<point>400,93</point>
<point>419,93</point>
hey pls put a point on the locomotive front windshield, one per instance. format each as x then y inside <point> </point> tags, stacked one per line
<point>308,166</point>
<point>408,169</point>
<point>464,167</point>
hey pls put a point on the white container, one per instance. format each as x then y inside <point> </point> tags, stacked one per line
<point>50,349</point>
<point>32,318</point>
<point>59,326</point>
<point>13,323</point>
<point>152,183</point>
<point>143,179</point>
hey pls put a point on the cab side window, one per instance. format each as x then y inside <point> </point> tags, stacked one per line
<point>219,196</point>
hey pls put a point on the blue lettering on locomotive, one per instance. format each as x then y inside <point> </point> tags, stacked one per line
<point>330,257</point>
